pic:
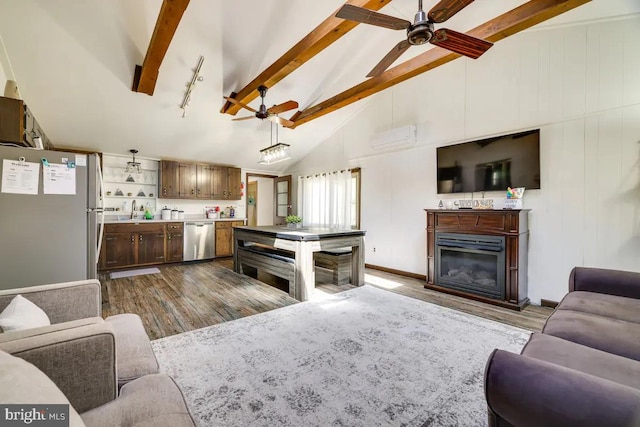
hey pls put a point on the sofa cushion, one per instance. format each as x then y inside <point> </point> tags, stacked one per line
<point>150,401</point>
<point>133,349</point>
<point>612,306</point>
<point>602,333</point>
<point>585,359</point>
<point>21,382</point>
<point>22,314</point>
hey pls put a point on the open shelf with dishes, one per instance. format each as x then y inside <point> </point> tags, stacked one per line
<point>122,187</point>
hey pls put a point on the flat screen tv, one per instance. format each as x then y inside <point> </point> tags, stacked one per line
<point>491,164</point>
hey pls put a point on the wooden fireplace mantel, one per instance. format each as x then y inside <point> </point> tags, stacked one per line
<point>512,224</point>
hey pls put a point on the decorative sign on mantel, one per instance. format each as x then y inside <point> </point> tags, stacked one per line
<point>514,198</point>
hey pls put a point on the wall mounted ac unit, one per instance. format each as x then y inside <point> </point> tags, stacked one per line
<point>395,138</point>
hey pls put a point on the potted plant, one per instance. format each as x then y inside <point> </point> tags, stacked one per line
<point>293,221</point>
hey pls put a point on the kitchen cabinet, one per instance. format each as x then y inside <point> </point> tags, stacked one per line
<point>175,242</point>
<point>224,237</point>
<point>183,180</point>
<point>169,179</point>
<point>118,250</point>
<point>187,180</point>
<point>18,125</point>
<point>234,182</point>
<point>127,245</point>
<point>220,182</point>
<point>204,182</point>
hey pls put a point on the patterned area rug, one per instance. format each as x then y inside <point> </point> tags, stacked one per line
<point>365,357</point>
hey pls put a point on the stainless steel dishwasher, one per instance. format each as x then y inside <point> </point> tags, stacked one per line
<point>199,240</point>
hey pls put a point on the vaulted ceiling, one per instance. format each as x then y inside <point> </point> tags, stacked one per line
<point>74,62</point>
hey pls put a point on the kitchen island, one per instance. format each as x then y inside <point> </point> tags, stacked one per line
<point>303,243</point>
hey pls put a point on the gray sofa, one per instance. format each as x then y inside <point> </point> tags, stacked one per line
<point>106,368</point>
<point>584,368</point>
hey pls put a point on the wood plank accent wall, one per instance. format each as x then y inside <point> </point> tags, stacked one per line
<point>512,224</point>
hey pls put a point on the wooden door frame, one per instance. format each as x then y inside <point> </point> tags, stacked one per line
<point>246,179</point>
<point>289,179</point>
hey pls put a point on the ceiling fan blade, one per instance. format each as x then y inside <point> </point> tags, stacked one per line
<point>243,118</point>
<point>281,108</point>
<point>233,101</point>
<point>461,43</point>
<point>389,58</point>
<point>366,16</point>
<point>281,121</point>
<point>445,9</point>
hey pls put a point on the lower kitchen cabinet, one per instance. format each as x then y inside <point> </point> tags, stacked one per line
<point>127,245</point>
<point>175,241</point>
<point>224,237</point>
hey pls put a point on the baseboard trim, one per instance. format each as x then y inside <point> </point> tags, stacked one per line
<point>398,272</point>
<point>548,303</point>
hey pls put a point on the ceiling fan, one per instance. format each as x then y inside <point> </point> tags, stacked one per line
<point>420,32</point>
<point>266,113</point>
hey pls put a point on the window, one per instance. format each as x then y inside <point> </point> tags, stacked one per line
<point>330,200</point>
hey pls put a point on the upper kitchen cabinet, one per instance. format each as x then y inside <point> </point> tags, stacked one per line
<point>169,179</point>
<point>182,180</point>
<point>235,180</point>
<point>188,181</point>
<point>17,124</point>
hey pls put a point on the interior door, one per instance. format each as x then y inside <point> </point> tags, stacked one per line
<point>282,193</point>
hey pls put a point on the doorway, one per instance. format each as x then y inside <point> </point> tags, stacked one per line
<point>260,199</point>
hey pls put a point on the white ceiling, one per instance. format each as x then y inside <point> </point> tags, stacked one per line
<point>74,62</point>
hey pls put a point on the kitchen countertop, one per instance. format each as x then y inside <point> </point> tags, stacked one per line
<point>142,220</point>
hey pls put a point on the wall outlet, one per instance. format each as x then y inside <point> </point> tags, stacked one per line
<point>374,249</point>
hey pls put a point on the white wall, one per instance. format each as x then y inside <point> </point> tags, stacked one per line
<point>580,84</point>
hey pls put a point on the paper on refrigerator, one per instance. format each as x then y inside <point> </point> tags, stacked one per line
<point>59,179</point>
<point>20,177</point>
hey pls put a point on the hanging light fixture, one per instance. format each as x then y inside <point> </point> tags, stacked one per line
<point>275,152</point>
<point>133,166</point>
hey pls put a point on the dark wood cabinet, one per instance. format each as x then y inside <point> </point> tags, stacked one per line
<point>220,182</point>
<point>224,237</point>
<point>18,125</point>
<point>175,242</point>
<point>204,183</point>
<point>510,225</point>
<point>127,245</point>
<point>169,179</point>
<point>180,180</point>
<point>234,182</point>
<point>118,250</point>
<point>150,247</point>
<point>188,173</point>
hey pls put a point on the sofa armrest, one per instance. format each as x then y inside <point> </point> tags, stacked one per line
<point>523,391</point>
<point>61,301</point>
<point>602,281</point>
<point>81,361</point>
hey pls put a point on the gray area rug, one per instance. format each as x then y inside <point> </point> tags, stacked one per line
<point>131,273</point>
<point>365,357</point>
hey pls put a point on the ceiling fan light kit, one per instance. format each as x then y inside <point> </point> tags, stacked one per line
<point>421,31</point>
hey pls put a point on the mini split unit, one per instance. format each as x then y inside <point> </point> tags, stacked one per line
<point>395,138</point>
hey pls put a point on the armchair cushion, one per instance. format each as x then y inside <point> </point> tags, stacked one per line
<point>22,314</point>
<point>21,382</point>
<point>615,307</point>
<point>25,333</point>
<point>602,333</point>
<point>133,351</point>
<point>150,401</point>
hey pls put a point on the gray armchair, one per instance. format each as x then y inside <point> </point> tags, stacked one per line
<point>80,341</point>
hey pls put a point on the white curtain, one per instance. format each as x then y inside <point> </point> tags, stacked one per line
<point>325,200</point>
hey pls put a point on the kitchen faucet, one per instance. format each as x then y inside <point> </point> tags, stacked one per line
<point>134,208</point>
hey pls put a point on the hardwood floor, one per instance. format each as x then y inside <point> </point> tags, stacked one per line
<point>185,297</point>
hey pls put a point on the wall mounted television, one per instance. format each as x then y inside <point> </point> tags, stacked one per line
<point>491,164</point>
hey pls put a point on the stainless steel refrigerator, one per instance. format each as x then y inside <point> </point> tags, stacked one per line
<point>51,238</point>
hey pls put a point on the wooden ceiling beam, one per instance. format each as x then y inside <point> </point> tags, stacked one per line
<point>505,25</point>
<point>330,30</point>
<point>145,77</point>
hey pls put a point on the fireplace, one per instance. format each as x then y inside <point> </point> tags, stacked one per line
<point>479,254</point>
<point>471,263</point>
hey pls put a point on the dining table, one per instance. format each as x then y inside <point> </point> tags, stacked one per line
<point>303,242</point>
